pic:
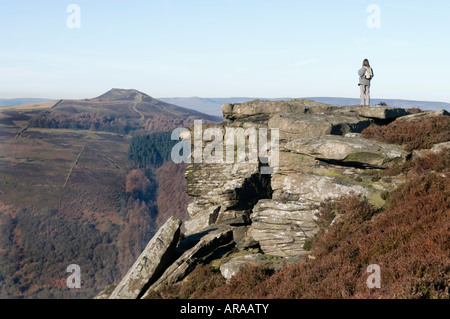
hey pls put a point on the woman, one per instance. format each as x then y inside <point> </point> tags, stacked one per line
<point>365,76</point>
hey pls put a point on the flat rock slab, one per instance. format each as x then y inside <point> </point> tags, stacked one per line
<point>292,126</point>
<point>268,108</point>
<point>352,150</point>
<point>151,263</point>
<point>190,258</point>
<point>312,188</point>
<point>381,112</point>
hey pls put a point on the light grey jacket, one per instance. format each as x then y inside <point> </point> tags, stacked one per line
<point>362,79</point>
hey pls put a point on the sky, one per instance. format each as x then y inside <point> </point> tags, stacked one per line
<point>224,48</point>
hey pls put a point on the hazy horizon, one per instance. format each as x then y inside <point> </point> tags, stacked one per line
<point>222,97</point>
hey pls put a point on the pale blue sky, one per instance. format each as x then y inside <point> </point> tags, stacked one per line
<point>223,48</point>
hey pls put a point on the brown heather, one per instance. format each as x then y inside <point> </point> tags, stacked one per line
<point>415,134</point>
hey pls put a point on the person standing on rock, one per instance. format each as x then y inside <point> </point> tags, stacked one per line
<point>365,76</point>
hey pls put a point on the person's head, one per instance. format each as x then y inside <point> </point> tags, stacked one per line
<point>366,63</point>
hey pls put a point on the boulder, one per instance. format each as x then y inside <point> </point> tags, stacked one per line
<point>293,126</point>
<point>233,265</point>
<point>348,150</point>
<point>151,263</point>
<point>311,188</point>
<point>281,228</point>
<point>381,112</point>
<point>243,238</point>
<point>205,247</point>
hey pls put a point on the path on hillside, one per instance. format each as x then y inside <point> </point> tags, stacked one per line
<point>142,117</point>
<point>74,165</point>
<point>28,126</point>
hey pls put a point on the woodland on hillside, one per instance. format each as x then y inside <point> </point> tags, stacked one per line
<point>37,245</point>
<point>85,120</point>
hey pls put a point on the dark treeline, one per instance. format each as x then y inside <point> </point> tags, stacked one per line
<point>150,150</point>
<point>86,121</point>
<point>147,153</point>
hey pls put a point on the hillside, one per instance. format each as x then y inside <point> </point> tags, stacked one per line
<point>120,111</point>
<point>69,192</point>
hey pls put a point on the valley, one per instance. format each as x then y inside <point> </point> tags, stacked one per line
<point>64,169</point>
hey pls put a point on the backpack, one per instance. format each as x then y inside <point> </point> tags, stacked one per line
<point>368,75</point>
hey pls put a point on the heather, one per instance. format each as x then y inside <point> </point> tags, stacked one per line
<point>414,134</point>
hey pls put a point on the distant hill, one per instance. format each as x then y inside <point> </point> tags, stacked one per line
<point>120,111</point>
<point>20,101</point>
<point>213,105</point>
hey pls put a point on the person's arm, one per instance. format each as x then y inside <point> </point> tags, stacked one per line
<point>373,74</point>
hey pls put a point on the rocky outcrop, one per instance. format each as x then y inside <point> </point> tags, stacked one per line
<point>151,262</point>
<point>382,112</point>
<point>321,155</point>
<point>261,211</point>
